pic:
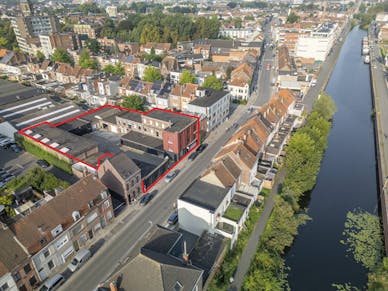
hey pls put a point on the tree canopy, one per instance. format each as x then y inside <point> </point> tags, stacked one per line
<point>93,45</point>
<point>325,106</point>
<point>152,74</point>
<point>61,55</point>
<point>187,77</point>
<point>86,61</point>
<point>116,69</point>
<point>212,82</point>
<point>40,56</point>
<point>7,35</point>
<point>133,102</point>
<point>292,18</point>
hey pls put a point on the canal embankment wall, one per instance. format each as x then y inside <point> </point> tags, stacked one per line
<point>380,154</point>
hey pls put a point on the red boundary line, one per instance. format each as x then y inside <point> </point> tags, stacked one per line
<point>99,159</point>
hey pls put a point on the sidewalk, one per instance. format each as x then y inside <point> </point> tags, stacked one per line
<point>254,239</point>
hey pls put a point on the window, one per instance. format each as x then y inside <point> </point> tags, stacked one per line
<point>27,268</point>
<point>16,277</point>
<point>46,253</point>
<point>4,287</point>
<point>106,204</point>
<point>32,281</point>
<point>109,215</point>
<point>50,265</point>
<point>22,288</point>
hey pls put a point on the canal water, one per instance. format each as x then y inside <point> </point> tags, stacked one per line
<point>347,180</point>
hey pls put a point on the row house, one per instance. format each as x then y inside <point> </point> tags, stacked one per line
<point>99,90</point>
<point>121,175</point>
<point>182,95</point>
<point>212,106</point>
<point>286,65</point>
<point>55,231</point>
<point>149,91</point>
<point>159,48</point>
<point>129,48</point>
<point>240,82</point>
<point>16,268</point>
<point>51,42</point>
<point>66,73</point>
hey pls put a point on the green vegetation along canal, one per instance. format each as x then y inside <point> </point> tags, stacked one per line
<point>347,180</point>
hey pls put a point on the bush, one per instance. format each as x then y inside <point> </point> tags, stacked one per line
<point>42,154</point>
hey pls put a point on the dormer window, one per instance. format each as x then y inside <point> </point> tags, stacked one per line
<point>104,194</point>
<point>76,216</point>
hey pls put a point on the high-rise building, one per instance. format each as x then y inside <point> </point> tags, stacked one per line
<point>28,27</point>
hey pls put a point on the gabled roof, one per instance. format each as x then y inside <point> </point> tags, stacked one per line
<point>34,229</point>
<point>124,166</point>
<point>221,172</point>
<point>11,253</point>
<point>238,151</point>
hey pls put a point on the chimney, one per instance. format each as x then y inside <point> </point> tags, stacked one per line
<point>185,256</point>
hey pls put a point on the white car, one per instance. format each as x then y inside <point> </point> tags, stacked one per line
<point>170,176</point>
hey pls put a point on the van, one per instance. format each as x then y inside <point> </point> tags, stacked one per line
<point>53,283</point>
<point>82,256</point>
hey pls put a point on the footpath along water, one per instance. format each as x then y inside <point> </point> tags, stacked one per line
<point>347,180</point>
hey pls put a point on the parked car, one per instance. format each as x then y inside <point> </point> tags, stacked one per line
<point>202,147</point>
<point>8,178</point>
<point>53,283</point>
<point>5,141</point>
<point>8,145</point>
<point>170,176</point>
<point>173,219</point>
<point>43,163</point>
<point>192,156</point>
<point>15,148</point>
<point>146,199</point>
<point>80,258</point>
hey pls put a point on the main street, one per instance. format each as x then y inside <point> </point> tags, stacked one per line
<point>134,228</point>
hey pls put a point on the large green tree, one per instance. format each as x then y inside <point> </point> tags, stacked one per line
<point>325,106</point>
<point>207,28</point>
<point>116,69</point>
<point>187,77</point>
<point>150,33</point>
<point>7,35</point>
<point>40,56</point>
<point>212,82</point>
<point>363,237</point>
<point>292,18</point>
<point>86,61</point>
<point>152,74</point>
<point>133,102</point>
<point>93,45</point>
<point>61,55</point>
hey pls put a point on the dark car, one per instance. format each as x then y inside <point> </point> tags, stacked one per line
<point>173,219</point>
<point>146,199</point>
<point>15,148</point>
<point>202,147</point>
<point>43,163</point>
<point>170,176</point>
<point>8,145</point>
<point>193,156</point>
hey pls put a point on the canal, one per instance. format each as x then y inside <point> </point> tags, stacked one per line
<point>347,180</point>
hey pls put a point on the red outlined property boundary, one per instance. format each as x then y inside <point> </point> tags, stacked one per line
<point>75,159</point>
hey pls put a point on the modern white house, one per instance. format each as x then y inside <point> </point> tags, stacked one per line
<point>318,43</point>
<point>212,104</point>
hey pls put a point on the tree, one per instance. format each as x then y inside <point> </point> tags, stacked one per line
<point>133,102</point>
<point>7,35</point>
<point>86,61</point>
<point>292,18</point>
<point>212,82</point>
<point>238,22</point>
<point>152,74</point>
<point>150,33</point>
<point>325,106</point>
<point>301,163</point>
<point>187,77</point>
<point>40,56</point>
<point>363,237</point>
<point>116,69</point>
<point>207,28</point>
<point>61,55</point>
<point>93,45</point>
<point>378,278</point>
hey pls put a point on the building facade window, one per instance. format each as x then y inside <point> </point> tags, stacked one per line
<point>51,265</point>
